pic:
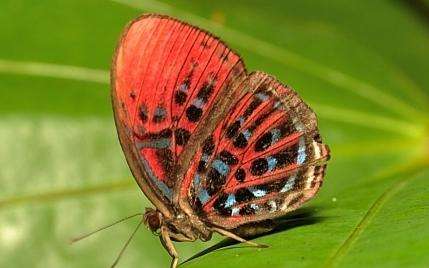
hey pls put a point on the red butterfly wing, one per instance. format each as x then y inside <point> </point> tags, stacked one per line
<point>263,160</point>
<point>166,75</point>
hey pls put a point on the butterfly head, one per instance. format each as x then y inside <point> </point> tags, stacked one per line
<point>153,219</point>
<point>179,228</point>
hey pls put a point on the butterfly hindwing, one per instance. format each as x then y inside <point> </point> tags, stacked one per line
<point>167,76</point>
<point>264,159</point>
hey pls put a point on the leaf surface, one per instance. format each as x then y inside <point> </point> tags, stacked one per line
<point>362,66</point>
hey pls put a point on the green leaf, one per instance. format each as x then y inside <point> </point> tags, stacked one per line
<point>362,66</point>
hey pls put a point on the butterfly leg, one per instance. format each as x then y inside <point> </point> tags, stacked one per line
<point>237,238</point>
<point>169,246</point>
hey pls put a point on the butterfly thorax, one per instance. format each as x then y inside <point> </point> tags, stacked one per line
<point>180,227</point>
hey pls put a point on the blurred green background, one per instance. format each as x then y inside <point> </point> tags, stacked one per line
<point>362,65</point>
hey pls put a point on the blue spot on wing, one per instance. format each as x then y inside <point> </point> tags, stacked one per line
<point>272,162</point>
<point>220,166</point>
<point>230,201</point>
<point>160,111</point>
<point>262,96</point>
<point>276,134</point>
<point>247,134</point>
<point>241,120</point>
<point>158,143</point>
<point>165,190</point>
<point>203,196</point>
<point>205,157</point>
<point>301,157</point>
<point>198,103</point>
<point>183,87</point>
<point>197,180</point>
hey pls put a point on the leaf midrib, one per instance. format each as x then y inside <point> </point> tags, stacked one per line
<point>67,193</point>
<point>330,112</point>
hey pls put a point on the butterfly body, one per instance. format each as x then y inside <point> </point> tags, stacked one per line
<point>214,148</point>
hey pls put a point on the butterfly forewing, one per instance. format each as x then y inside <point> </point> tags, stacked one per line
<point>167,77</point>
<point>264,158</point>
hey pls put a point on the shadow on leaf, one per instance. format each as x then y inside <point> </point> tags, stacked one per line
<point>300,217</point>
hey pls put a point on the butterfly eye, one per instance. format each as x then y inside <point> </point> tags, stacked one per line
<point>152,220</point>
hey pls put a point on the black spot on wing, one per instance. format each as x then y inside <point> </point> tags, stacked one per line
<point>143,113</point>
<point>201,166</point>
<point>240,141</point>
<point>247,210</point>
<point>208,146</point>
<point>182,136</point>
<point>232,129</point>
<point>263,142</point>
<point>287,128</point>
<point>287,156</point>
<point>180,97</point>
<point>243,195</point>
<point>259,166</point>
<point>274,186</point>
<point>240,175</point>
<point>317,138</point>
<point>204,44</point>
<point>165,157</point>
<point>165,133</point>
<point>159,115</point>
<point>219,205</point>
<point>205,91</point>
<point>193,113</point>
<point>215,181</point>
<point>252,107</point>
<point>228,158</point>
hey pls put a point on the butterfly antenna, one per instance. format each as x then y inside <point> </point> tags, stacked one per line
<point>74,240</point>
<point>126,244</point>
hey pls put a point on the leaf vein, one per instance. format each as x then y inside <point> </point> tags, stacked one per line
<point>66,193</point>
<point>344,248</point>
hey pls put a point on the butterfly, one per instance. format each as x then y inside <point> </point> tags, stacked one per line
<point>216,149</point>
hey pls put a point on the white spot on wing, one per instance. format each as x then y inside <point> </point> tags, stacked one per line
<point>204,196</point>
<point>257,192</point>
<point>235,211</point>
<point>301,151</point>
<point>289,184</point>
<point>317,152</point>
<point>273,205</point>
<point>298,125</point>
<point>254,206</point>
<point>310,174</point>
